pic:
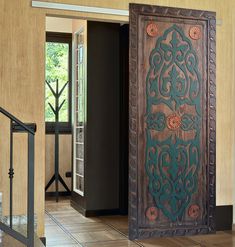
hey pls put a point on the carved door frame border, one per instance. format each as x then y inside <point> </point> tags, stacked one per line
<point>210,18</point>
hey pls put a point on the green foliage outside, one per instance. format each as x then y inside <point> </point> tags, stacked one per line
<point>57,57</point>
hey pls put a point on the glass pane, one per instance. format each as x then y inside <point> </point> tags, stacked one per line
<point>80,55</point>
<point>80,87</point>
<point>80,71</point>
<point>80,167</point>
<point>80,135</point>
<point>80,104</point>
<point>79,183</point>
<point>80,151</point>
<point>57,68</point>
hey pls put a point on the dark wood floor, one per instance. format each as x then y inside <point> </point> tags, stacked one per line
<point>65,227</point>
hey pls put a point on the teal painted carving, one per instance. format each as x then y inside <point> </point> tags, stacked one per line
<point>173,87</point>
<point>156,121</point>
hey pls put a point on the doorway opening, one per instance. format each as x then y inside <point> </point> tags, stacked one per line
<point>93,146</point>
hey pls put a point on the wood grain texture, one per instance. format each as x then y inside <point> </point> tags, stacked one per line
<point>138,200</point>
<point>63,229</point>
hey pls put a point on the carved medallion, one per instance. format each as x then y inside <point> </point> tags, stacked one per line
<point>195,33</point>
<point>152,29</point>
<point>173,122</point>
<point>194,211</point>
<point>152,213</point>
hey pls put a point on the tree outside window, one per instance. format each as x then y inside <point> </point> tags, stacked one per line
<point>58,67</point>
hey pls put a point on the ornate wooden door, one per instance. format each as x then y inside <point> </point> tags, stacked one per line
<point>171,122</point>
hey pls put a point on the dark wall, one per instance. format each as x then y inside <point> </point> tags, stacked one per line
<point>124,123</point>
<point>103,117</point>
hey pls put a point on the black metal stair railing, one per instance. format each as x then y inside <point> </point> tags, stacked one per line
<point>17,126</point>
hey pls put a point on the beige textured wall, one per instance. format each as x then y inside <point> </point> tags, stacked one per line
<point>232,143</point>
<point>22,93</point>
<point>61,25</point>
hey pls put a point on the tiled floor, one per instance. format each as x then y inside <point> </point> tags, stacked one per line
<point>65,227</point>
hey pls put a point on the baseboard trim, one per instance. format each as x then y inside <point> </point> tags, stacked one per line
<point>224,218</point>
<point>61,193</point>
<point>95,213</point>
<point>102,212</point>
<point>43,240</point>
<point>80,209</point>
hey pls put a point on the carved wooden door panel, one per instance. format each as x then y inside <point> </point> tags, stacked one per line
<point>172,122</point>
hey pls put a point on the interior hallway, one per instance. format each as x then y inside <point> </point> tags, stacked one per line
<point>65,227</point>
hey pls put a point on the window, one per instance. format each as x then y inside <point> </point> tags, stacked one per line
<point>80,111</point>
<point>58,67</point>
